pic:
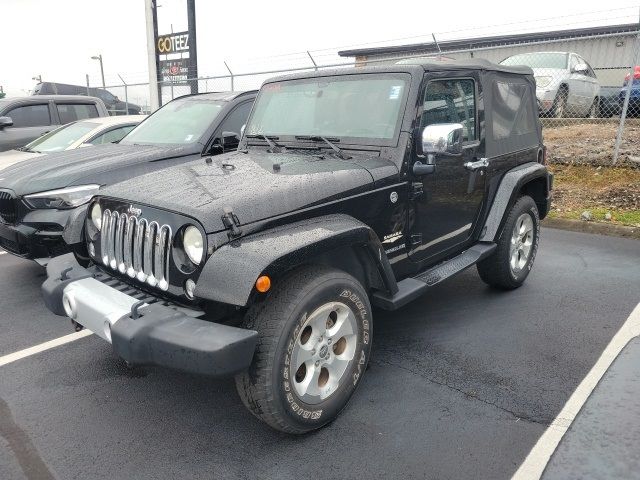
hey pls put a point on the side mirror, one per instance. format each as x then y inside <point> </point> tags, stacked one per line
<point>230,140</point>
<point>5,122</point>
<point>581,68</point>
<point>442,138</point>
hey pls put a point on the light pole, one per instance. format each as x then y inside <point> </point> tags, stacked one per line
<point>99,58</point>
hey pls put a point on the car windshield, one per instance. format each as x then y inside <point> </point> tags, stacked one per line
<point>182,121</point>
<point>61,138</point>
<point>538,60</point>
<point>364,106</point>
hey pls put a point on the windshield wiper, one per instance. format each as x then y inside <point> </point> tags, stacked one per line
<point>275,148</point>
<point>317,138</point>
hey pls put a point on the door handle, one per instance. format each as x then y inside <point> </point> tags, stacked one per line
<point>473,166</point>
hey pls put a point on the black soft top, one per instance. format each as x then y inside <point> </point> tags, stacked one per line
<point>433,64</point>
<point>420,66</point>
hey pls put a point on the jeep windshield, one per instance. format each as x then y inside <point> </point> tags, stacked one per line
<point>363,108</point>
<point>179,122</point>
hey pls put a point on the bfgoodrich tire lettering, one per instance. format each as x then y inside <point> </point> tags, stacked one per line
<point>267,388</point>
<point>513,259</point>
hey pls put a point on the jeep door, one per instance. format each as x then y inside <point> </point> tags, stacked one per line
<point>443,215</point>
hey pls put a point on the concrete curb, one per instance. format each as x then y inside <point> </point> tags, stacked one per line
<point>593,227</point>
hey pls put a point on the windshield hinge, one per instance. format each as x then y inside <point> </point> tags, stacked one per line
<point>231,222</point>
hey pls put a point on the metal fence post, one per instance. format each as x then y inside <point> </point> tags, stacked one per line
<point>231,74</point>
<point>625,105</point>
<point>88,93</point>
<point>126,96</point>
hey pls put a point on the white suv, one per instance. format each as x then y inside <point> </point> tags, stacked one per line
<point>566,85</point>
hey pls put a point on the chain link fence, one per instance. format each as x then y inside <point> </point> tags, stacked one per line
<point>588,90</point>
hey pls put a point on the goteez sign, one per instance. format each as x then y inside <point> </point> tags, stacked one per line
<point>174,43</point>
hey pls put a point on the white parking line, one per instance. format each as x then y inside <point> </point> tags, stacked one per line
<point>27,352</point>
<point>539,456</point>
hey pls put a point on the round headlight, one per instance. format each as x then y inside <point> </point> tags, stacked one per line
<point>96,216</point>
<point>193,244</point>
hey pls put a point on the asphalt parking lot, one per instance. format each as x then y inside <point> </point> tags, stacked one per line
<point>462,383</point>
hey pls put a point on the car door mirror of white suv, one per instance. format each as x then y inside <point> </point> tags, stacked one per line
<point>581,68</point>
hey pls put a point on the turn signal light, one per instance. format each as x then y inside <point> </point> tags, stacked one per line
<point>263,284</point>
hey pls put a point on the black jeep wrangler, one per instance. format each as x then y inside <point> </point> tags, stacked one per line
<point>350,188</point>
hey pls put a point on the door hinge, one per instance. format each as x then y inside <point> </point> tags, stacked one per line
<point>231,222</point>
<point>416,239</point>
<point>417,190</point>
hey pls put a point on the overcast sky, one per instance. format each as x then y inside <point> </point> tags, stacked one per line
<point>56,38</point>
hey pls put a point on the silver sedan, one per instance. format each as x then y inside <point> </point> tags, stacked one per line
<point>566,85</point>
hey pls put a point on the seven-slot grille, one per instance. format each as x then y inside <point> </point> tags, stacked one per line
<point>137,247</point>
<point>8,213</point>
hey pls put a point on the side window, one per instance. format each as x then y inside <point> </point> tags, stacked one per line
<point>573,62</point>
<point>451,101</point>
<point>30,116</point>
<point>513,112</point>
<point>234,121</point>
<point>106,96</point>
<point>590,71</point>
<point>70,112</point>
<point>111,136</point>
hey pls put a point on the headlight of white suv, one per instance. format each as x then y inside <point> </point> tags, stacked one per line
<point>193,244</point>
<point>70,197</point>
<point>543,82</point>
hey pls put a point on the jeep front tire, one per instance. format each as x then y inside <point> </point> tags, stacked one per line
<point>508,267</point>
<point>314,344</point>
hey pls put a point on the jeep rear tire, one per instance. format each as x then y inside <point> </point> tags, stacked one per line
<point>314,344</point>
<point>508,267</point>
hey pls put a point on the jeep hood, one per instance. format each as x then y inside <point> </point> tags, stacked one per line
<point>256,185</point>
<point>81,166</point>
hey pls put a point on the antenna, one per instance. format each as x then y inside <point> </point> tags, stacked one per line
<point>437,45</point>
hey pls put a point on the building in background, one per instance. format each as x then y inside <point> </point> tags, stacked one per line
<point>610,50</point>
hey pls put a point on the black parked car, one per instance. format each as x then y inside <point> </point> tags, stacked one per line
<point>350,188</point>
<point>23,119</point>
<point>37,197</point>
<point>115,105</point>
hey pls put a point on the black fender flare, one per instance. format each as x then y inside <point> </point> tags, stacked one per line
<point>510,185</point>
<point>231,271</point>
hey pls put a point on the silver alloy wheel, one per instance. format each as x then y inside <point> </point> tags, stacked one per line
<point>521,243</point>
<point>322,352</point>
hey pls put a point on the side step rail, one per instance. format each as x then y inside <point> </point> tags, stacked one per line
<point>412,288</point>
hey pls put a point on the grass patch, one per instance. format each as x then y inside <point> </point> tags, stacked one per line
<point>599,190</point>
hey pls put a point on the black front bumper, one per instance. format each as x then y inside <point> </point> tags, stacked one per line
<point>38,234</point>
<point>157,333</point>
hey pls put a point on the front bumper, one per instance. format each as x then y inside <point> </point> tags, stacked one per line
<point>141,330</point>
<point>37,235</point>
<point>546,97</point>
